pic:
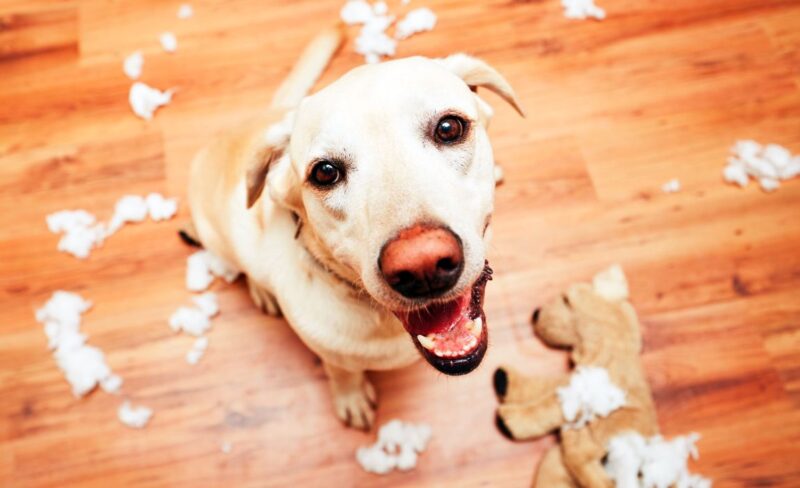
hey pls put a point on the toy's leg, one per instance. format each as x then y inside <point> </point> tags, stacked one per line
<point>552,473</point>
<point>583,458</point>
<point>353,395</point>
<point>525,421</point>
<point>263,299</point>
<point>513,387</point>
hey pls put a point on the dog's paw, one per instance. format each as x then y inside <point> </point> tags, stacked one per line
<point>356,406</point>
<point>264,300</point>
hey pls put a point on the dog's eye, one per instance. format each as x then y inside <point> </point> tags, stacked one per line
<point>449,129</point>
<point>325,173</point>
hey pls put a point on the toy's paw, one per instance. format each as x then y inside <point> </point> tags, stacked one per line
<point>500,382</point>
<point>512,387</point>
<point>356,406</point>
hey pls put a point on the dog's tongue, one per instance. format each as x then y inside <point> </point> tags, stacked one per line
<point>437,317</point>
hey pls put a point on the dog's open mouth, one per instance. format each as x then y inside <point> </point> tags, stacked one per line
<point>452,336</point>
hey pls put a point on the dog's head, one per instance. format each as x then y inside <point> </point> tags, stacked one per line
<point>391,173</point>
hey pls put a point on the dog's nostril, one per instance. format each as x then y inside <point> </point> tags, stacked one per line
<point>446,264</point>
<point>403,278</point>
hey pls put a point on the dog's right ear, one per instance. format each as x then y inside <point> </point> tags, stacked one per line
<point>265,148</point>
<point>477,73</point>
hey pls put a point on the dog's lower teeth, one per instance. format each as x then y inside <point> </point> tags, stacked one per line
<point>475,327</point>
<point>427,342</point>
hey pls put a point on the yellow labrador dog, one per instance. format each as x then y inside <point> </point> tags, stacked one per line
<point>361,213</point>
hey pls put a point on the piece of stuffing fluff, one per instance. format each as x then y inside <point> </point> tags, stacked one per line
<point>203,266</point>
<point>185,11</point>
<point>128,209</point>
<point>197,351</point>
<point>83,366</point>
<point>80,231</point>
<point>132,66</point>
<point>418,20</point>
<point>160,208</point>
<point>611,284</point>
<point>636,462</point>
<point>134,417</point>
<point>398,446</point>
<point>582,9</point>
<point>769,165</point>
<point>144,99</point>
<point>590,394</point>
<point>372,41</point>
<point>672,186</point>
<point>191,320</point>
<point>169,42</point>
<point>226,447</point>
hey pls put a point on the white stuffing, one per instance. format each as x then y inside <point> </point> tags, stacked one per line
<point>198,349</point>
<point>160,208</point>
<point>129,208</point>
<point>134,417</point>
<point>768,164</point>
<point>226,447</point>
<point>372,41</point>
<point>84,366</point>
<point>185,11</point>
<point>203,266</point>
<point>191,320</point>
<point>397,447</point>
<point>144,99</point>
<point>582,9</point>
<point>195,320</point>
<point>82,232</point>
<point>418,20</point>
<point>636,462</point>
<point>672,186</point>
<point>590,394</point>
<point>611,284</point>
<point>169,42</point>
<point>132,66</point>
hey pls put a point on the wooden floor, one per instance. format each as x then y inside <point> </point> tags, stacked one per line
<point>660,89</point>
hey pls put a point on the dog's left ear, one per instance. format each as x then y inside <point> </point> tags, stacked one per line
<point>477,73</point>
<point>265,147</point>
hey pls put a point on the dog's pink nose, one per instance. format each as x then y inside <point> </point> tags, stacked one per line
<point>422,261</point>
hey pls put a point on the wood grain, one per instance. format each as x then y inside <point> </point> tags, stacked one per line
<point>659,90</point>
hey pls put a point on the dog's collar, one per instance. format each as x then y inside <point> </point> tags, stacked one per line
<point>300,236</point>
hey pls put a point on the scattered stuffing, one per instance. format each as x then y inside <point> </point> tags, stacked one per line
<point>582,9</point>
<point>144,100</point>
<point>161,208</point>
<point>611,284</point>
<point>84,366</point>
<point>195,320</point>
<point>372,41</point>
<point>768,164</point>
<point>82,232</point>
<point>134,417</point>
<point>226,447</point>
<point>636,462</point>
<point>169,42</point>
<point>128,209</point>
<point>203,266</point>
<point>590,393</point>
<point>418,20</point>
<point>207,303</point>
<point>132,66</point>
<point>672,186</point>
<point>185,11</point>
<point>198,349</point>
<point>397,447</point>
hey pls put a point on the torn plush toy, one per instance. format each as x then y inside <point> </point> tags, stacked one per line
<point>604,410</point>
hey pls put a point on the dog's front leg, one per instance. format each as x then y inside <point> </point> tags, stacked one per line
<point>353,395</point>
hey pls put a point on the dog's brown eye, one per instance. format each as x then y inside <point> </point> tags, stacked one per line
<point>449,129</point>
<point>325,173</point>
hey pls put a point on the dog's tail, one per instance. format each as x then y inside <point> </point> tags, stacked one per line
<point>309,67</point>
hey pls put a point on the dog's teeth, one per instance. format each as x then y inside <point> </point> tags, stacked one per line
<point>426,342</point>
<point>475,327</point>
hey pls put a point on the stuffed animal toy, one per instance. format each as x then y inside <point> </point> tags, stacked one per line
<point>606,397</point>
